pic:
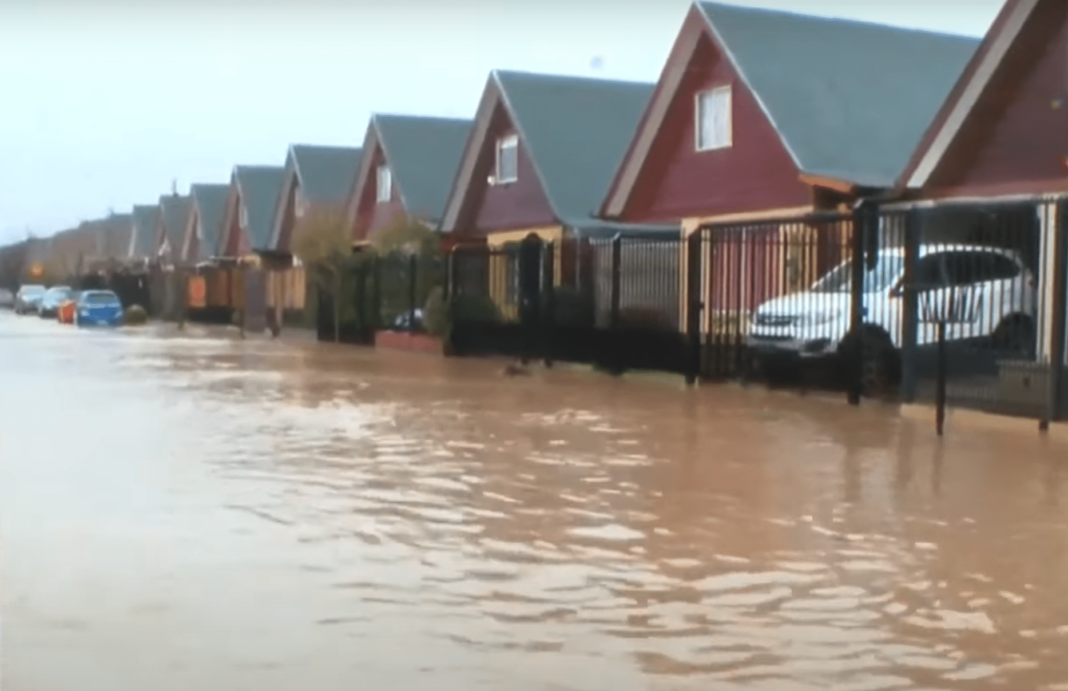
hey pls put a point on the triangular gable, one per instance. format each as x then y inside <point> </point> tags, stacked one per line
<point>144,229</point>
<point>208,205</point>
<point>323,176</point>
<point>173,218</point>
<point>968,91</point>
<point>231,220</point>
<point>422,154</point>
<point>290,183</point>
<point>574,131</point>
<point>848,100</point>
<point>251,207</point>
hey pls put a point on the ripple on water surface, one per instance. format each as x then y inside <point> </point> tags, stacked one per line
<point>335,515</point>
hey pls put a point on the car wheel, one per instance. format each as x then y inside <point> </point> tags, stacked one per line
<point>1016,336</point>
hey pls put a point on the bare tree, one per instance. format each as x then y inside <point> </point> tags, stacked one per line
<point>323,242</point>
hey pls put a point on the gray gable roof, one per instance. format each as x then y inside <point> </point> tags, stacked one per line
<point>423,154</point>
<point>174,211</point>
<point>325,173</point>
<point>575,131</point>
<point>851,100</point>
<point>145,217</point>
<point>210,202</point>
<point>115,235</point>
<point>259,187</point>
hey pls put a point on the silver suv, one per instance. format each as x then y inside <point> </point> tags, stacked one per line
<point>988,293</point>
<point>28,298</point>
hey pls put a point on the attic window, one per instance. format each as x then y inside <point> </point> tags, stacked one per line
<point>714,127</point>
<point>507,159</point>
<point>243,219</point>
<point>384,186</point>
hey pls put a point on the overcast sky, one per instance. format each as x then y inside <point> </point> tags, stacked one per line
<point>104,102</point>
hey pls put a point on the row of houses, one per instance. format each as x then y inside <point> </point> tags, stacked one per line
<point>763,124</point>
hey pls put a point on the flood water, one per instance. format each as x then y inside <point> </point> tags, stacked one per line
<point>185,512</point>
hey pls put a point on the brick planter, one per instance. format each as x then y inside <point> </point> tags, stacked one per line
<point>402,340</point>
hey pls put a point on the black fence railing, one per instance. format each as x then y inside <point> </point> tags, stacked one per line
<point>611,302</point>
<point>960,303</point>
<point>377,292</point>
<point>987,283</point>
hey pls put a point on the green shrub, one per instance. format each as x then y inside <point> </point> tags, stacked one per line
<point>136,315</point>
<point>436,313</point>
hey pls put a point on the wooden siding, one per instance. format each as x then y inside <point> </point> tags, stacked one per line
<point>286,289</point>
<point>516,205</point>
<point>289,216</point>
<point>1016,137</point>
<point>372,215</point>
<point>236,242</point>
<point>755,173</point>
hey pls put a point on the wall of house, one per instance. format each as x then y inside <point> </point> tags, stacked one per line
<point>1018,132</point>
<point>236,242</point>
<point>516,205</point>
<point>755,173</point>
<point>289,219</point>
<point>372,215</point>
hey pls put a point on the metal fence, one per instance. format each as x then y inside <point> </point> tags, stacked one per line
<point>613,302</point>
<point>962,304</point>
<point>374,292</point>
<point>986,307</point>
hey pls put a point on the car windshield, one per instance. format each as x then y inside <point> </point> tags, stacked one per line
<point>58,292</point>
<point>32,290</point>
<point>840,279</point>
<point>99,298</point>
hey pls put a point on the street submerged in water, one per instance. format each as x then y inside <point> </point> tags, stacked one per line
<point>202,513</point>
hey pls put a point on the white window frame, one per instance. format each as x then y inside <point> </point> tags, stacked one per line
<point>242,219</point>
<point>508,141</point>
<point>726,138</point>
<point>383,184</point>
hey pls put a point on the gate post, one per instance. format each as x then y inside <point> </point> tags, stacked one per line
<point>862,215</point>
<point>413,270</point>
<point>548,286</point>
<point>616,278</point>
<point>1059,321</point>
<point>910,312</point>
<point>530,269</point>
<point>694,304</point>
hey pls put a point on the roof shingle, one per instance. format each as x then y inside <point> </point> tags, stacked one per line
<point>575,131</point>
<point>851,100</point>
<point>210,203</point>
<point>423,154</point>
<point>259,187</point>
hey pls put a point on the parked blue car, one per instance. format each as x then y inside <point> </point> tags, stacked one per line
<point>99,308</point>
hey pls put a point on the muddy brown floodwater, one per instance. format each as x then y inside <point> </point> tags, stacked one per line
<point>183,512</point>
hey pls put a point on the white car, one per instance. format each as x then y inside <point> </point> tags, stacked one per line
<point>987,293</point>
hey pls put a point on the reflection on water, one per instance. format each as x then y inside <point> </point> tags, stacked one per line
<point>181,512</point>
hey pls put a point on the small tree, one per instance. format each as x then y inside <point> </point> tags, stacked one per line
<point>323,242</point>
<point>408,235</point>
<point>412,253</point>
